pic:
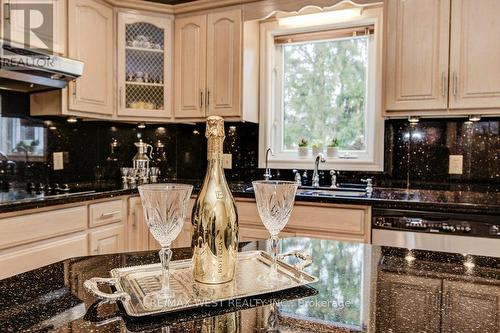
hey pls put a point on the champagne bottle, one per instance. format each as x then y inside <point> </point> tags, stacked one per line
<point>214,218</point>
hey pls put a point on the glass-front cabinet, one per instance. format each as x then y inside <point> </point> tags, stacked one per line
<point>144,65</point>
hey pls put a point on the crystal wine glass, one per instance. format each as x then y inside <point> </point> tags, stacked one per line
<point>275,201</point>
<point>164,210</point>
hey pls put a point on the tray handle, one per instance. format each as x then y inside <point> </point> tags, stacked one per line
<point>92,286</point>
<point>305,259</point>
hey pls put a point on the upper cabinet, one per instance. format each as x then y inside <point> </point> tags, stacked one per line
<point>439,56</point>
<point>474,55</point>
<point>209,55</point>
<point>90,31</point>
<point>46,28</point>
<point>417,54</point>
<point>144,65</point>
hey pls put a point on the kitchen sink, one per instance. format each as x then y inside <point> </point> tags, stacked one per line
<point>309,191</point>
<point>331,192</point>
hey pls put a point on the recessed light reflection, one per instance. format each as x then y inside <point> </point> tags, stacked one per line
<point>141,125</point>
<point>196,132</point>
<point>410,258</point>
<point>474,117</point>
<point>413,119</point>
<point>72,120</point>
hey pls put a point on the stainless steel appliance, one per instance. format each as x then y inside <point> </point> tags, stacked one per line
<point>30,71</point>
<point>437,231</point>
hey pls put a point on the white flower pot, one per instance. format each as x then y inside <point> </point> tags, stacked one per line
<point>317,150</point>
<point>332,152</point>
<point>303,151</point>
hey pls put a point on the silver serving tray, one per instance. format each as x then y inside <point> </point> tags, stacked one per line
<point>133,283</point>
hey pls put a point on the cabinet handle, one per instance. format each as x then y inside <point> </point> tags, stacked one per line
<point>455,83</point>
<point>208,98</point>
<point>6,8</point>
<point>104,215</point>
<point>74,88</point>
<point>201,99</point>
<point>443,84</point>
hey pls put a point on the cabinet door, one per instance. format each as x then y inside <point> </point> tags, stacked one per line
<point>470,307</point>
<point>46,28</point>
<point>138,232</point>
<point>224,63</point>
<point>417,44</point>
<point>90,39</point>
<point>408,304</point>
<point>475,54</point>
<point>190,66</point>
<point>110,239</point>
<point>144,65</point>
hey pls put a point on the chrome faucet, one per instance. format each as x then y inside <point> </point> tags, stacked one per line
<point>267,173</point>
<point>333,173</point>
<point>315,179</point>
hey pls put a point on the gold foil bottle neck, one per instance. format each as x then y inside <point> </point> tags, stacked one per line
<point>215,127</point>
<point>215,137</point>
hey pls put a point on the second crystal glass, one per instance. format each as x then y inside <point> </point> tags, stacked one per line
<point>164,210</point>
<point>275,201</point>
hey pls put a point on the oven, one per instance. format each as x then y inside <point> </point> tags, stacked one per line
<point>475,234</point>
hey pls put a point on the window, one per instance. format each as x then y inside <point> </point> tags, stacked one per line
<point>21,139</point>
<point>323,85</point>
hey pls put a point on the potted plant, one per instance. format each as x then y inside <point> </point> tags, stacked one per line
<point>317,147</point>
<point>332,149</point>
<point>303,150</point>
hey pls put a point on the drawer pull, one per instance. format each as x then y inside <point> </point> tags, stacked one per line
<point>105,215</point>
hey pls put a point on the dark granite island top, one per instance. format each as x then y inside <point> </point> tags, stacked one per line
<point>361,288</point>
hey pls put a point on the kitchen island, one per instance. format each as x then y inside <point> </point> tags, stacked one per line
<point>361,288</point>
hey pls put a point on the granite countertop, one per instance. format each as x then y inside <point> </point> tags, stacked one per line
<point>361,288</point>
<point>463,201</point>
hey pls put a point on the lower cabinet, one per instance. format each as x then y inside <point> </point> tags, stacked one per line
<point>408,304</point>
<point>469,307</point>
<point>106,240</point>
<point>415,304</point>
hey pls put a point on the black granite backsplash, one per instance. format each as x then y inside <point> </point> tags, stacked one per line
<point>416,156</point>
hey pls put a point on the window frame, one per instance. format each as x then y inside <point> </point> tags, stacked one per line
<point>271,124</point>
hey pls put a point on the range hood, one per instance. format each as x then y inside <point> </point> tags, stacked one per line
<point>29,71</point>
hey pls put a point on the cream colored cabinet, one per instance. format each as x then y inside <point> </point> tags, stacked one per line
<point>208,66</point>
<point>470,308</point>
<point>46,28</point>
<point>108,239</point>
<point>439,57</point>
<point>90,39</point>
<point>416,54</point>
<point>138,232</point>
<point>144,65</point>
<point>224,54</point>
<point>474,55</point>
<point>190,66</point>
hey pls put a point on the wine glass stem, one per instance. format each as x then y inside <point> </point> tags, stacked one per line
<point>165,257</point>
<point>274,251</point>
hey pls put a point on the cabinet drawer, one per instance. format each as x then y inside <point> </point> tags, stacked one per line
<point>41,254</point>
<point>248,214</point>
<point>107,212</point>
<point>350,220</point>
<point>33,227</point>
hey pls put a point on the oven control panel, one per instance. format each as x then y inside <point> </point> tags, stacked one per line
<point>424,225</point>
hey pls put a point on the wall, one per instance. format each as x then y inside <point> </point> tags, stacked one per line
<point>415,156</point>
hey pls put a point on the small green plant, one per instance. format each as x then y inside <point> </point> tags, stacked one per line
<point>303,143</point>
<point>317,144</point>
<point>334,143</point>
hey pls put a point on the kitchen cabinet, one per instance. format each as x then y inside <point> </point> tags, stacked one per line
<point>439,58</point>
<point>144,65</point>
<point>408,304</point>
<point>108,239</point>
<point>91,40</point>
<point>138,231</point>
<point>474,56</point>
<point>417,37</point>
<point>210,51</point>
<point>481,302</point>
